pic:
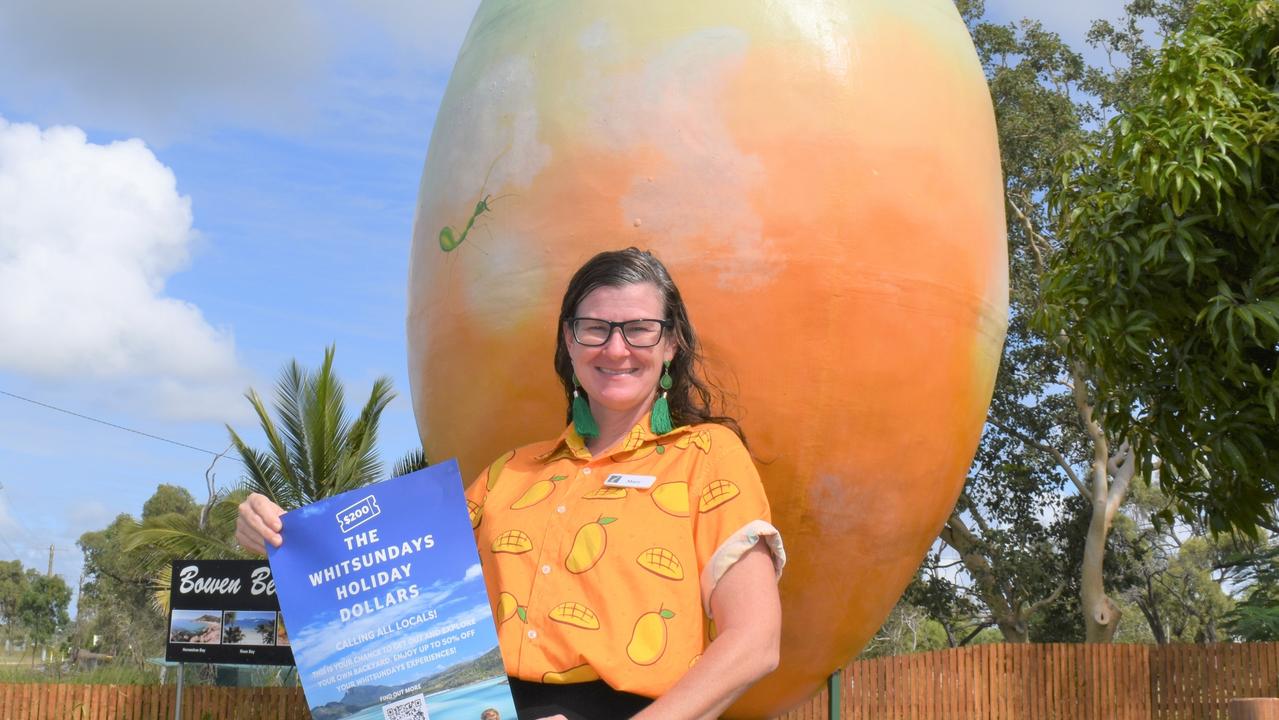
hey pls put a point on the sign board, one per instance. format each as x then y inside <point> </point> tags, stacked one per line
<point>386,603</point>
<point>225,611</point>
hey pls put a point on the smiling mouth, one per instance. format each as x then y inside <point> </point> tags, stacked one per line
<point>617,373</point>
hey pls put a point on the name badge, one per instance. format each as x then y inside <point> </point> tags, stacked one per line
<point>630,481</point>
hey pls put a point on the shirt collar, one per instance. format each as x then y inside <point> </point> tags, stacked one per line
<point>571,445</point>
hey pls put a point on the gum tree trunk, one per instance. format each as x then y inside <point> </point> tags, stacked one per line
<point>1109,478</point>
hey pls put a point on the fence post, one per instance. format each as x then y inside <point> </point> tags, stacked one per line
<point>1254,709</point>
<point>177,710</point>
<point>833,686</point>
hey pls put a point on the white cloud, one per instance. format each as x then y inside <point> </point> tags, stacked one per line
<point>149,67</point>
<point>315,645</point>
<point>473,572</point>
<point>314,642</point>
<point>88,236</point>
<point>165,70</point>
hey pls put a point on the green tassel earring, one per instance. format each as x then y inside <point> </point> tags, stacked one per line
<point>583,421</point>
<point>660,418</point>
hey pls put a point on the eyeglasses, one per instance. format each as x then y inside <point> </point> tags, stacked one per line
<point>593,332</point>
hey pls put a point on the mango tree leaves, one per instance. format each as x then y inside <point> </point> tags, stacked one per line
<point>1166,282</point>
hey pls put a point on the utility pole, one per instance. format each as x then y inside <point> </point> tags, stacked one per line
<point>50,573</point>
<point>75,633</point>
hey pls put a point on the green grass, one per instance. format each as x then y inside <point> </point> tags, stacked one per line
<point>124,674</point>
<point>14,658</point>
<point>104,675</point>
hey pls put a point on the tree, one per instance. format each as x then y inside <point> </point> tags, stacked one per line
<point>42,609</point>
<point>1164,289</point>
<point>1001,529</point>
<point>1181,570</point>
<point>315,451</point>
<point>168,500</point>
<point>908,629</point>
<point>954,607</point>
<point>1255,617</point>
<point>1047,406</point>
<point>115,603</point>
<point>1039,438</point>
<point>13,583</point>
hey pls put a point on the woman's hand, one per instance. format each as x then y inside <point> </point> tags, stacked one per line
<point>258,524</point>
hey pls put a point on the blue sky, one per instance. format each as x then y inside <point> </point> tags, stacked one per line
<point>190,196</point>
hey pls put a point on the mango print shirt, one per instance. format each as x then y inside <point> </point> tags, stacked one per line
<point>603,567</point>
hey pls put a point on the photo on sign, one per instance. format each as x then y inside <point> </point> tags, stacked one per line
<point>248,627</point>
<point>281,635</point>
<point>196,626</point>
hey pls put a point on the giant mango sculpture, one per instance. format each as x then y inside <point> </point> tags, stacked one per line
<point>822,178</point>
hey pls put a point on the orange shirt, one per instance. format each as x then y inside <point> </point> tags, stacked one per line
<point>592,578</point>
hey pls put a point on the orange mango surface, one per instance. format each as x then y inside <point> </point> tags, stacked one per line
<point>822,179</point>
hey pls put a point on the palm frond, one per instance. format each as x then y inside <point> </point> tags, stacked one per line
<point>325,426</point>
<point>182,537</point>
<point>362,438</point>
<point>227,510</point>
<point>359,464</point>
<point>263,474</point>
<point>347,475</point>
<point>290,394</point>
<point>316,450</point>
<point>412,461</point>
<point>278,448</point>
<point>161,583</point>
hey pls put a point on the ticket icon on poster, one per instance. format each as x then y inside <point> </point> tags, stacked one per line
<point>358,513</point>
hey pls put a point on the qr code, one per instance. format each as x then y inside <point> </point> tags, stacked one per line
<point>410,708</point>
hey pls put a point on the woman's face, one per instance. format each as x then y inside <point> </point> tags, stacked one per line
<point>616,376</point>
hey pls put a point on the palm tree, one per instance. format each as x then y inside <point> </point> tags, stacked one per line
<point>314,451</point>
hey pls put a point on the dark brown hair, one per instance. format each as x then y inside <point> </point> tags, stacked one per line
<point>693,399</point>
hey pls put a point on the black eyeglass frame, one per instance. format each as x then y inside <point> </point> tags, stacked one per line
<point>620,327</point>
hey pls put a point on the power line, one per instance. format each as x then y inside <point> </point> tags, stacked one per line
<point>110,424</point>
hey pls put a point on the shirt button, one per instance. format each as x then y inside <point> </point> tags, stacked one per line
<point>561,509</point>
<point>546,569</point>
<point>586,471</point>
<point>532,634</point>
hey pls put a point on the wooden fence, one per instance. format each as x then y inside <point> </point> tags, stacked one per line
<point>986,682</point>
<point>31,701</point>
<point>1054,682</point>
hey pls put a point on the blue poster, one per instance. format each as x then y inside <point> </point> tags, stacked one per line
<point>384,603</point>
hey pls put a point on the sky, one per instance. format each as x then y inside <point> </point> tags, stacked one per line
<point>192,195</point>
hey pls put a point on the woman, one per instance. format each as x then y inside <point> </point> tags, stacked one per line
<point>608,550</point>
